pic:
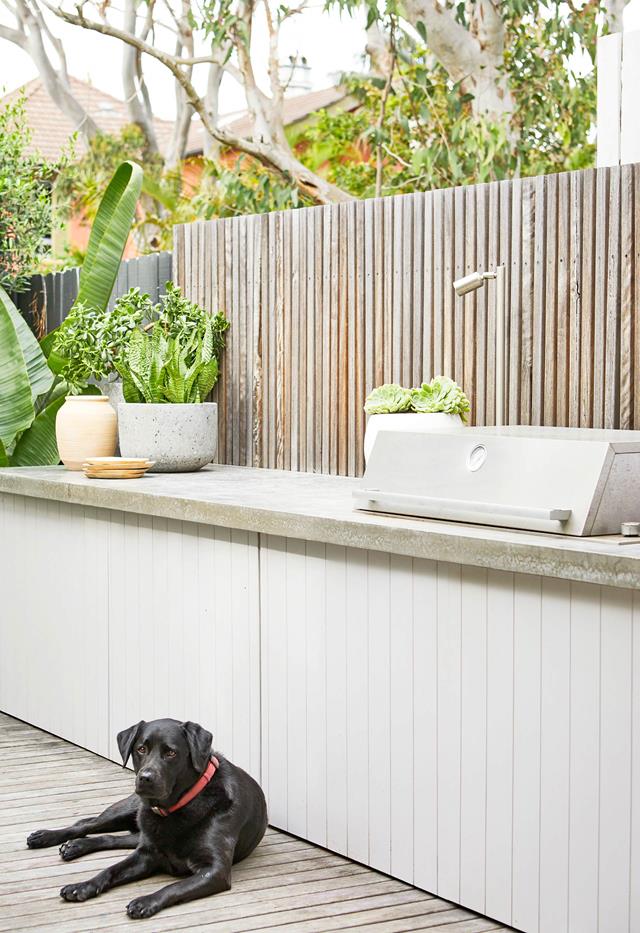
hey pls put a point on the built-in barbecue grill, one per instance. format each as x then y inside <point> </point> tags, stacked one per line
<point>573,481</point>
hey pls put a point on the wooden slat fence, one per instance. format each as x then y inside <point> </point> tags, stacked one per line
<point>46,303</point>
<point>326,303</point>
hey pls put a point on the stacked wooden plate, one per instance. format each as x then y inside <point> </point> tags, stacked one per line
<point>116,467</point>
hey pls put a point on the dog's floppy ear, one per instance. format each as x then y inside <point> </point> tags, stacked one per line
<point>126,738</point>
<point>199,742</point>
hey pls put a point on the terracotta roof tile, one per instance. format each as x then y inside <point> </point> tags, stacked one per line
<point>51,129</point>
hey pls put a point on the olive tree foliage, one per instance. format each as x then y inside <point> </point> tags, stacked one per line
<point>25,203</point>
<point>182,36</point>
<point>472,39</point>
<point>454,91</point>
<point>466,92</point>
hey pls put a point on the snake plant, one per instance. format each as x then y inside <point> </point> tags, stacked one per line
<point>157,368</point>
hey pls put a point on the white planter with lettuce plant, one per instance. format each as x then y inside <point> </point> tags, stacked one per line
<point>439,405</point>
<point>167,373</point>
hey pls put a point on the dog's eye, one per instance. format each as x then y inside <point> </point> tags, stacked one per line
<point>170,753</point>
<point>141,749</point>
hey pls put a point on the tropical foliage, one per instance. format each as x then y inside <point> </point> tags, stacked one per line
<point>32,388</point>
<point>30,394</point>
<point>109,235</point>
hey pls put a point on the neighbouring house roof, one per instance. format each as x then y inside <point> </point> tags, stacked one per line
<point>51,129</point>
<point>296,109</point>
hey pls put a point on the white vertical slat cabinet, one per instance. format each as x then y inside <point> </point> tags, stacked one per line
<point>184,630</point>
<point>110,617</point>
<point>470,731</point>
<point>53,623</point>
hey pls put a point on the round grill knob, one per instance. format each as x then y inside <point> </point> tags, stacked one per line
<point>630,529</point>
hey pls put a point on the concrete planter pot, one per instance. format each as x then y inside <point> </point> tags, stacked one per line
<point>409,421</point>
<point>180,438</point>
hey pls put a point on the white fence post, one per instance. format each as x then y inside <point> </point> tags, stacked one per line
<point>629,123</point>
<point>618,83</point>
<point>609,62</point>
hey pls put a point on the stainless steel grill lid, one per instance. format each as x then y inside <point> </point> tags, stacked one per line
<point>573,481</point>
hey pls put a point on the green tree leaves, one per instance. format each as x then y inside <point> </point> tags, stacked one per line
<point>25,200</point>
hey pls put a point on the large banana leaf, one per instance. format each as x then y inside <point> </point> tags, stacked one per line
<point>109,234</point>
<point>47,342</point>
<point>16,402</point>
<point>39,374</point>
<point>37,446</point>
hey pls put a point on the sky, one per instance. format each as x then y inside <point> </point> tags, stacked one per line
<point>330,43</point>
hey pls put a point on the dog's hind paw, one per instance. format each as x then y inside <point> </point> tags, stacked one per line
<point>142,907</point>
<point>81,891</point>
<point>43,838</point>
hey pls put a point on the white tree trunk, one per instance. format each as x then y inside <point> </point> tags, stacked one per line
<point>472,56</point>
<point>613,14</point>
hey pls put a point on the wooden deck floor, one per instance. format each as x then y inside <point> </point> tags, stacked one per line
<point>286,885</point>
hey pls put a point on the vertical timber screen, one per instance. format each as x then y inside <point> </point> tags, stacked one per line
<point>326,303</point>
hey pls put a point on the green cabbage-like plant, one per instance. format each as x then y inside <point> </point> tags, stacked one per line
<point>440,395</point>
<point>388,399</point>
<point>157,368</point>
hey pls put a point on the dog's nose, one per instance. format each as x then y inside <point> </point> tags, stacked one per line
<point>145,777</point>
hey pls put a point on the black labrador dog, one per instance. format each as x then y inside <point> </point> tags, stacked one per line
<point>193,815</point>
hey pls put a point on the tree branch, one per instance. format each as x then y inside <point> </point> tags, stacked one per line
<point>30,36</point>
<point>138,103</point>
<point>269,153</point>
<point>184,110</point>
<point>13,35</point>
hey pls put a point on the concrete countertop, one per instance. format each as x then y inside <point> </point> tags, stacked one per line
<point>319,508</point>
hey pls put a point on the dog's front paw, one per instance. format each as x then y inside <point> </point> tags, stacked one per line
<point>81,891</point>
<point>143,907</point>
<point>42,839</point>
<point>72,849</point>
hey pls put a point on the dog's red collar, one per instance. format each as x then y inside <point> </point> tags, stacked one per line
<point>188,796</point>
